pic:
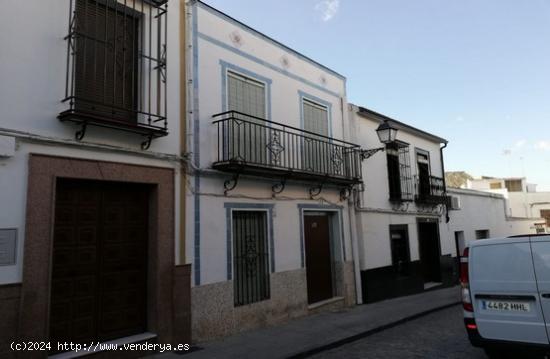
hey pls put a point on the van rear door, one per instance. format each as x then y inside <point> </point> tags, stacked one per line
<point>504,291</point>
<point>540,246</point>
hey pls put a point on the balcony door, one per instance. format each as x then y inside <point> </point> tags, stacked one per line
<point>248,131</point>
<point>316,149</point>
<point>423,166</point>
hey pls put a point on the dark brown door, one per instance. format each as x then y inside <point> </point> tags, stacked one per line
<point>318,258</point>
<point>428,240</point>
<point>99,273</point>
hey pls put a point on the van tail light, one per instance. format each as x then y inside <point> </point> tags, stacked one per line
<point>465,282</point>
<point>471,325</point>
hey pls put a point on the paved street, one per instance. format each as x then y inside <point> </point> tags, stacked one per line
<point>437,335</point>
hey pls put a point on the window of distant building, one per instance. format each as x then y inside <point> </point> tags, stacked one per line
<point>513,185</point>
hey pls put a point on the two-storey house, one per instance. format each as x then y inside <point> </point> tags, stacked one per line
<point>400,210</point>
<point>271,167</point>
<point>90,173</point>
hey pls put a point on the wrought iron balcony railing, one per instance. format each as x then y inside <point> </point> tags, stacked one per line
<point>430,190</point>
<point>116,66</point>
<point>252,145</point>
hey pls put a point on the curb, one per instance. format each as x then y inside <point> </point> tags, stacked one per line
<point>359,336</point>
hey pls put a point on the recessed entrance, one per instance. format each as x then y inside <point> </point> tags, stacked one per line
<point>99,267</point>
<point>428,243</point>
<point>318,256</point>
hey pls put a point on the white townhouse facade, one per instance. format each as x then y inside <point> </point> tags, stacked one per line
<point>400,212</point>
<point>271,167</point>
<point>90,173</point>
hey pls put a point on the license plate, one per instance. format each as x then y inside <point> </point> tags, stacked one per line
<point>502,306</point>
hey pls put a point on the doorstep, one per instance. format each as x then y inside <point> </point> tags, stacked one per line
<point>325,302</point>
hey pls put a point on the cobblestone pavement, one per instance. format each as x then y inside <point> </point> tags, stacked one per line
<point>437,335</point>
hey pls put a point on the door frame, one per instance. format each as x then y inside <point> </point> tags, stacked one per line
<point>161,288</point>
<point>336,237</point>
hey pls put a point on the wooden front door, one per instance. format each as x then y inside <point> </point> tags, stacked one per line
<point>99,270</point>
<point>318,258</point>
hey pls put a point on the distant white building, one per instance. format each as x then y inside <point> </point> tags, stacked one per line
<point>522,198</point>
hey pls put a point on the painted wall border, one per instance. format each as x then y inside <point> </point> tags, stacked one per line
<point>267,64</point>
<point>196,149</point>
<point>278,44</point>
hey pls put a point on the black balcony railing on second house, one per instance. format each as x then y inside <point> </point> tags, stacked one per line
<point>430,190</point>
<point>253,145</point>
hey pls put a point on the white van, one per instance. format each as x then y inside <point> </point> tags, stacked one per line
<point>506,293</point>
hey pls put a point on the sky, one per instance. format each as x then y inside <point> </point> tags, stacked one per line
<point>476,72</point>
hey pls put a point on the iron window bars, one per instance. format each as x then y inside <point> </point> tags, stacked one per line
<point>116,66</point>
<point>253,145</point>
<point>251,270</point>
<point>430,190</point>
<point>400,180</point>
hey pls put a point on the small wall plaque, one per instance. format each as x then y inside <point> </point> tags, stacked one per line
<point>8,248</point>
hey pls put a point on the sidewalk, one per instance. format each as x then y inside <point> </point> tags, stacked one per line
<point>312,334</point>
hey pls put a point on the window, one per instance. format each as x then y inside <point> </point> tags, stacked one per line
<point>482,233</point>
<point>247,96</point>
<point>316,149</point>
<point>399,172</point>
<point>423,168</point>
<point>116,65</point>
<point>106,71</point>
<point>250,253</point>
<point>400,253</point>
<point>495,185</point>
<point>513,185</point>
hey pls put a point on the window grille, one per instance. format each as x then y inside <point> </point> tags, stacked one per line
<point>116,65</point>
<point>399,172</point>
<point>251,271</point>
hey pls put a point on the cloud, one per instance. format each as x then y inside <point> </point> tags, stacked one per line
<point>543,145</point>
<point>519,144</point>
<point>328,8</point>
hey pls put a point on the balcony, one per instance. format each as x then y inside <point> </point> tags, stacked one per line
<point>255,146</point>
<point>116,67</point>
<point>430,190</point>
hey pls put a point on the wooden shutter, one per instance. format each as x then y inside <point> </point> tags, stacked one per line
<point>106,63</point>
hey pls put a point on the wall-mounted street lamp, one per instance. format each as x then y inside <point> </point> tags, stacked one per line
<point>386,134</point>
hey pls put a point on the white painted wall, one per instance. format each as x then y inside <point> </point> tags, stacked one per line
<point>32,69</point>
<point>258,55</point>
<point>528,204</point>
<point>484,211</point>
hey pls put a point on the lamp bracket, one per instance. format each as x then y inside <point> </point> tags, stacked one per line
<point>370,152</point>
